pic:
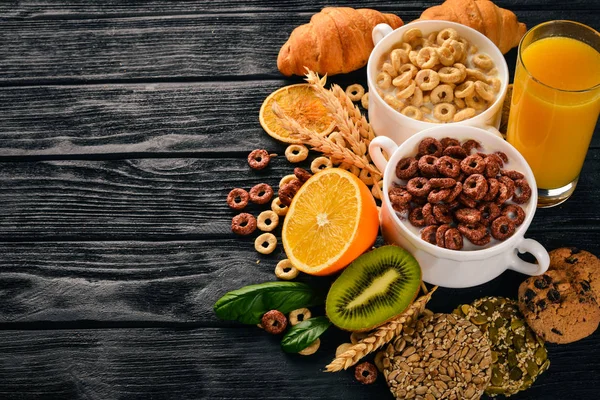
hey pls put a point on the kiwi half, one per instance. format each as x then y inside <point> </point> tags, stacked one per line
<point>376,287</point>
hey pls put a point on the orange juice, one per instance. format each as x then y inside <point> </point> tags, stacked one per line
<point>553,114</point>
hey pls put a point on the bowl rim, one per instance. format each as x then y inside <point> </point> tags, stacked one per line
<point>498,144</point>
<point>497,57</point>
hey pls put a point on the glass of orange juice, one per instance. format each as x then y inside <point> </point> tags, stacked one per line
<point>555,104</point>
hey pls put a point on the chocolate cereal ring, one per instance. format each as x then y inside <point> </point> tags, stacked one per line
<point>447,142</point>
<point>475,186</point>
<point>427,166</point>
<point>261,193</point>
<point>513,212</point>
<point>258,159</point>
<point>453,239</point>
<point>288,191</point>
<point>496,157</point>
<point>502,155</point>
<point>418,187</point>
<point>438,195</point>
<point>428,214</point>
<point>243,224</point>
<point>430,146</point>
<point>483,241</point>
<point>296,153</point>
<point>493,187</point>
<point>448,166</point>
<point>502,228</point>
<point>467,201</point>
<point>267,221</point>
<point>473,164</point>
<point>416,217</point>
<point>469,216</point>
<point>287,179</point>
<point>471,144</point>
<point>489,212</point>
<point>492,168</point>
<point>407,168</point>
<point>502,194</point>
<point>428,234</point>
<point>265,243</point>
<point>238,198</point>
<point>442,183</point>
<point>439,235</point>
<point>302,174</point>
<point>455,152</point>
<point>510,186</point>
<point>522,191</point>
<point>514,175</point>
<point>399,196</point>
<point>442,214</point>
<point>473,232</point>
<point>456,191</point>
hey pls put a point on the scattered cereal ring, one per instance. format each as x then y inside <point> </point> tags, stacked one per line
<point>502,228</point>
<point>364,101</point>
<point>377,189</point>
<point>384,80</point>
<point>444,112</point>
<point>238,198</point>
<point>301,174</point>
<point>286,271</point>
<point>337,138</point>
<point>513,212</point>
<point>243,224</point>
<point>278,207</point>
<point>319,164</point>
<point>274,322</point>
<point>483,61</point>
<point>355,92</point>
<point>295,153</point>
<point>522,191</point>
<point>365,373</point>
<point>288,191</point>
<point>286,179</point>
<point>412,112</point>
<point>265,243</point>
<point>442,94</point>
<point>258,159</point>
<point>448,166</point>
<point>311,349</point>
<point>299,315</point>
<point>378,360</point>
<point>267,221</point>
<point>427,79</point>
<point>464,114</point>
<point>407,168</point>
<point>428,234</point>
<point>366,177</point>
<point>261,193</point>
<point>489,212</point>
<point>453,239</point>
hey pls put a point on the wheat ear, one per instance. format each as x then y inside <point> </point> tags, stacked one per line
<point>380,336</point>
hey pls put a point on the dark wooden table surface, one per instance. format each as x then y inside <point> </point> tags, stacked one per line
<point>123,126</point>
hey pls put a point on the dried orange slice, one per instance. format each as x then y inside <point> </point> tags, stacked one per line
<point>299,102</point>
<point>332,220</point>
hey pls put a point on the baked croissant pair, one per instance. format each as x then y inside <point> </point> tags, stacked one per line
<point>338,39</point>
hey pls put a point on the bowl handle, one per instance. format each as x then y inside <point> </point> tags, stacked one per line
<point>524,267</point>
<point>380,31</point>
<point>377,145</point>
<point>493,130</point>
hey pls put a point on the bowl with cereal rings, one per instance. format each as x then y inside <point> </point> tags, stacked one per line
<point>460,200</point>
<point>430,73</point>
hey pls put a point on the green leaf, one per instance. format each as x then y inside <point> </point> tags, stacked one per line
<point>248,304</point>
<point>302,335</point>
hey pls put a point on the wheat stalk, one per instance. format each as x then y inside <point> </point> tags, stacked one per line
<point>380,336</point>
<point>363,127</point>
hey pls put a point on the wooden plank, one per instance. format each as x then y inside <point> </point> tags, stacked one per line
<point>219,364</point>
<point>197,47</point>
<point>208,119</point>
<point>177,199</point>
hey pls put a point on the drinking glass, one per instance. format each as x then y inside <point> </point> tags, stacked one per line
<point>555,104</point>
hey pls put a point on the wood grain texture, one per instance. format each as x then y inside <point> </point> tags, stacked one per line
<point>217,364</point>
<point>193,47</point>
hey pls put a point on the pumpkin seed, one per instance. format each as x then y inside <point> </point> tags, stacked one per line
<point>479,319</point>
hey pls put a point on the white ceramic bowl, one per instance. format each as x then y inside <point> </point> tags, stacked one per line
<point>472,265</point>
<point>388,122</point>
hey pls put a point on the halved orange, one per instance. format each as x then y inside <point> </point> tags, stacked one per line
<point>332,220</point>
<point>299,102</point>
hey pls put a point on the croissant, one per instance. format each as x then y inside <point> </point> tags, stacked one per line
<point>336,41</point>
<point>498,24</point>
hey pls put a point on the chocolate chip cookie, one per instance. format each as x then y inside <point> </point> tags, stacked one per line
<point>584,263</point>
<point>559,306</point>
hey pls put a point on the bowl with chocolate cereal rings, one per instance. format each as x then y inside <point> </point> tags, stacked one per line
<point>460,200</point>
<point>428,73</point>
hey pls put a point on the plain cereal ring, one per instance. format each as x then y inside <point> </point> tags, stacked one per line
<point>286,271</point>
<point>438,195</point>
<point>483,61</point>
<point>496,84</point>
<point>445,56</point>
<point>522,191</point>
<point>311,349</point>
<point>471,144</point>
<point>445,34</point>
<point>299,315</point>
<point>485,91</point>
<point>514,175</point>
<point>364,101</point>
<point>489,212</point>
<point>412,56</point>
<point>366,177</point>
<point>408,68</point>
<point>417,98</point>
<point>456,191</point>
<point>465,89</point>
<point>238,198</point>
<point>493,187</point>
<point>412,34</point>
<point>473,232</point>
<point>453,239</point>
<point>513,212</point>
<point>278,207</point>
<point>412,112</point>
<point>407,168</point>
<point>449,75</point>
<point>447,142</point>
<point>427,79</point>
<point>267,221</point>
<point>469,216</point>
<point>442,94</point>
<point>427,58</point>
<point>319,164</point>
<point>377,189</point>
<point>408,91</point>
<point>442,183</point>
<point>425,110</point>
<point>389,69</point>
<point>439,235</point>
<point>456,152</point>
<point>418,187</point>
<point>427,166</point>
<point>394,102</point>
<point>286,179</point>
<point>428,234</point>
<point>243,224</point>
<point>295,153</point>
<point>402,80</point>
<point>464,114</point>
<point>301,174</point>
<point>472,49</point>
<point>475,186</point>
<point>337,138</point>
<point>510,186</point>
<point>261,193</point>
<point>442,214</point>
<point>384,80</point>
<point>473,164</point>
<point>355,92</point>
<point>459,103</point>
<point>416,217</point>
<point>463,70</point>
<point>265,243</point>
<point>448,166</point>
<point>475,75</point>
<point>430,146</point>
<point>399,57</point>
<point>444,112</point>
<point>502,228</point>
<point>475,102</point>
<point>258,159</point>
